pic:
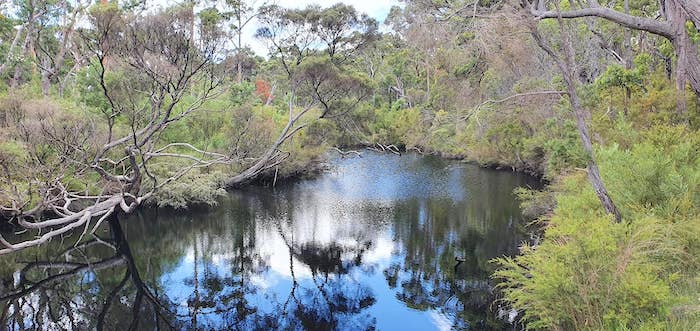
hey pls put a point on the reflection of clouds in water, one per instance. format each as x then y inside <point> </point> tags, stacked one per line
<point>374,242</point>
<point>323,229</point>
<point>262,282</point>
<point>351,227</point>
<point>441,322</point>
<point>271,246</point>
<point>382,250</point>
<point>378,178</point>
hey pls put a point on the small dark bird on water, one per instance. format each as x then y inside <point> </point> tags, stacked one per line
<point>459,260</point>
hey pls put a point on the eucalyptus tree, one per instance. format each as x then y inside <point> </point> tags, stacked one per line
<point>57,43</point>
<point>314,47</point>
<point>294,35</point>
<point>670,23</point>
<point>565,61</point>
<point>45,39</point>
<point>27,12</point>
<point>426,32</point>
<point>151,74</point>
<point>235,16</point>
<point>556,45</point>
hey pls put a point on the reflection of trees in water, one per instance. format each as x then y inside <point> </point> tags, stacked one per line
<point>74,291</point>
<point>331,299</point>
<point>432,233</point>
<point>101,285</point>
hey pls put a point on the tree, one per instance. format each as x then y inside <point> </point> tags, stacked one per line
<point>296,34</point>
<point>56,43</point>
<point>169,77</point>
<point>240,13</point>
<point>675,13</point>
<point>314,76</point>
<point>566,64</point>
<point>315,47</point>
<point>48,29</point>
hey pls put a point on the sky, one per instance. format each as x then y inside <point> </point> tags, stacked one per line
<point>375,8</point>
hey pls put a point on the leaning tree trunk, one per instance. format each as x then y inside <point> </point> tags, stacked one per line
<point>567,66</point>
<point>272,157</point>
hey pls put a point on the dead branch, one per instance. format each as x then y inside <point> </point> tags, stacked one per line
<point>347,153</point>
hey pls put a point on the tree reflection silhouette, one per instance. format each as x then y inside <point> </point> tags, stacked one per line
<point>298,257</point>
<point>333,299</point>
<point>74,291</point>
<point>87,287</point>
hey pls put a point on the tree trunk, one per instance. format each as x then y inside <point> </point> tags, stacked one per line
<point>271,157</point>
<point>592,167</point>
<point>10,51</point>
<point>692,9</point>
<point>45,77</point>
<point>26,45</point>
<point>686,53</point>
<point>627,57</point>
<point>239,76</point>
<point>568,69</point>
<point>427,82</point>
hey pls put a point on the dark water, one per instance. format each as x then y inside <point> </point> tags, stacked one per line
<point>369,245</point>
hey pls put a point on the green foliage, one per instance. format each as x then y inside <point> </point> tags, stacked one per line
<point>660,175</point>
<point>242,93</point>
<point>592,273</point>
<point>617,76</point>
<point>13,158</point>
<point>535,203</point>
<point>563,148</point>
<point>400,126</point>
<point>195,188</point>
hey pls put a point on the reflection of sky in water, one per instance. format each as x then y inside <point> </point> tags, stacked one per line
<point>371,243</point>
<point>375,237</point>
<point>378,178</point>
<point>352,206</point>
<point>275,285</point>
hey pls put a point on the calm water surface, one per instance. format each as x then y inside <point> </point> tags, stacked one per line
<point>370,244</point>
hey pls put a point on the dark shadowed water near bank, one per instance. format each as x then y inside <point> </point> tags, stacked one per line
<point>370,244</point>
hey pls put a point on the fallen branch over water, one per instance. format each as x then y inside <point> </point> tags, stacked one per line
<point>385,149</point>
<point>347,153</point>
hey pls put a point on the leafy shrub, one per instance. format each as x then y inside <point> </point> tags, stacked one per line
<point>195,188</point>
<point>592,273</point>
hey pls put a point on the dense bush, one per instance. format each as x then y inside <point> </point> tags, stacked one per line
<point>592,273</point>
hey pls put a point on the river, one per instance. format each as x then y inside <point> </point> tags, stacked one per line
<point>373,243</point>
